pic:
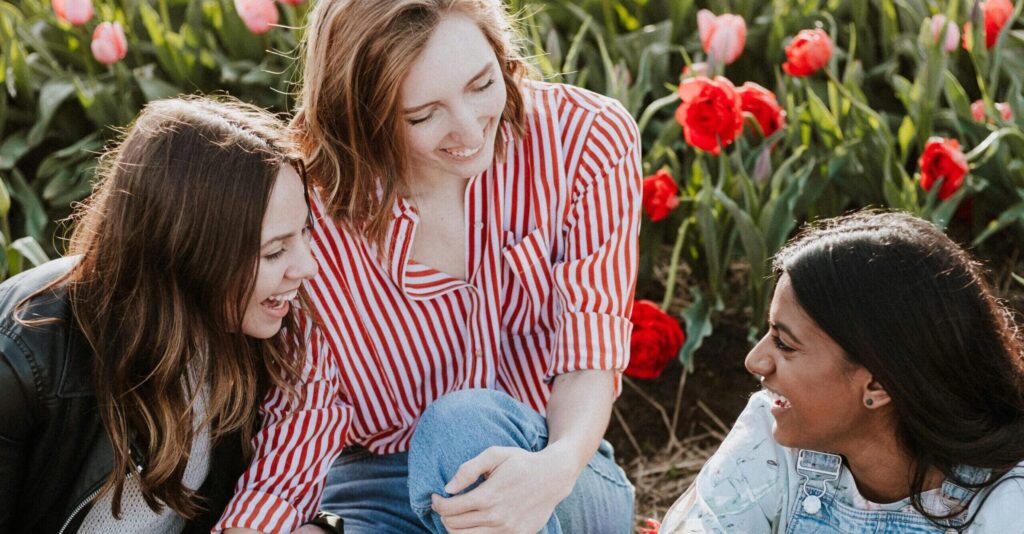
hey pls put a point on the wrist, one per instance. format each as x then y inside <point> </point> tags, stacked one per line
<point>565,464</point>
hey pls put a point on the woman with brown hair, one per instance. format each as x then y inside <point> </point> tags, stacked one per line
<point>132,370</point>
<point>478,236</point>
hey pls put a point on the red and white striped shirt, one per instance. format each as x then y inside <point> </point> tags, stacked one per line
<point>551,260</point>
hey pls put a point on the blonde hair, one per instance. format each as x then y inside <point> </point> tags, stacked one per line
<point>349,122</point>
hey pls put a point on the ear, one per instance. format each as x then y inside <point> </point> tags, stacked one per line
<point>875,396</point>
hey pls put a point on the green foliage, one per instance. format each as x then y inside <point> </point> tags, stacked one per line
<point>853,137</point>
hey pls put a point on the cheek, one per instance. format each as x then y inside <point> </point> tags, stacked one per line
<point>422,140</point>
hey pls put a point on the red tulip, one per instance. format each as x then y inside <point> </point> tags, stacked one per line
<point>109,44</point>
<point>291,2</point>
<point>952,38</point>
<point>978,111</point>
<point>809,51</point>
<point>723,36</point>
<point>661,195</point>
<point>77,12</point>
<point>762,104</point>
<point>943,159</point>
<point>997,14</point>
<point>710,113</point>
<point>258,15</point>
<point>657,338</point>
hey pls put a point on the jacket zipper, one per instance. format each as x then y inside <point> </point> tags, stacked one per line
<point>87,500</point>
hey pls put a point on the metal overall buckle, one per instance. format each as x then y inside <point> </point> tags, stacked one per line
<point>815,466</point>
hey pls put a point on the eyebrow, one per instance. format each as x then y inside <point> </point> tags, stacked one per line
<point>276,238</point>
<point>479,75</point>
<point>785,330</point>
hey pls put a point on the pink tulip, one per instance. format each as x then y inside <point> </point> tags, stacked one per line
<point>77,12</point>
<point>723,36</point>
<point>952,39</point>
<point>258,15</point>
<point>292,2</point>
<point>979,112</point>
<point>109,44</point>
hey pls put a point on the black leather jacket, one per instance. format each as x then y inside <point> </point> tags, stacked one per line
<point>54,452</point>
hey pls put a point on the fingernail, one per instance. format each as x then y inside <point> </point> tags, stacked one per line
<point>448,488</point>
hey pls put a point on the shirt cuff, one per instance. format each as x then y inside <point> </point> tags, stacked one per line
<point>260,511</point>
<point>591,341</point>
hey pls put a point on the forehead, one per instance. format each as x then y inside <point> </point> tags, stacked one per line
<point>454,53</point>
<point>286,208</point>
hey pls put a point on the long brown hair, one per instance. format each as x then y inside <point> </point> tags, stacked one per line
<point>349,121</point>
<point>169,247</point>
<point>909,305</point>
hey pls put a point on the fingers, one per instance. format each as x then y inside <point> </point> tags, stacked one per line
<point>468,521</point>
<point>475,500</point>
<point>480,466</point>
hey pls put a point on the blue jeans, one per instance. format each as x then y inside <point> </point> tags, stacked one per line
<point>391,493</point>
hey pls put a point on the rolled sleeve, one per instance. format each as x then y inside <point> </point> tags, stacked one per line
<point>596,280</point>
<point>293,450</point>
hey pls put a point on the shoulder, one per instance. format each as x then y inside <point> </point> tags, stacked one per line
<point>581,111</point>
<point>749,458</point>
<point>999,510</point>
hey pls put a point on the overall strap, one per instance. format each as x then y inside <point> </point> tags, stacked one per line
<point>818,473</point>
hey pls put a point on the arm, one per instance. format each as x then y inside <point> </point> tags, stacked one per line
<point>744,487</point>
<point>14,424</point>
<point>293,451</point>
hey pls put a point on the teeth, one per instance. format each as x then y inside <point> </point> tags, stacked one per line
<point>779,399</point>
<point>284,297</point>
<point>462,153</point>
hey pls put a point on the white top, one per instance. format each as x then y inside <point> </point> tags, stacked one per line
<point>136,515</point>
<point>751,485</point>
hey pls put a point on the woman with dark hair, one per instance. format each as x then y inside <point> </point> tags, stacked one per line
<point>135,372</point>
<point>892,401</point>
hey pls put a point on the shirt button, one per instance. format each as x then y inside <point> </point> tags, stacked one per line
<point>479,353</point>
<point>479,225</point>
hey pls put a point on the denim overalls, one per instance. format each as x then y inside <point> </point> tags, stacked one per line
<point>817,510</point>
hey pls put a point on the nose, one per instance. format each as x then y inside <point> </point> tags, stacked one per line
<point>466,127</point>
<point>304,266</point>
<point>759,360</point>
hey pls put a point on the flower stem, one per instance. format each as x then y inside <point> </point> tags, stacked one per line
<point>673,266</point>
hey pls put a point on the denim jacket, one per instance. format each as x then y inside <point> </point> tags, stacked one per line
<point>754,485</point>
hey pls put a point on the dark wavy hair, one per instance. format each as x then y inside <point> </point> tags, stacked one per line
<point>168,248</point>
<point>912,307</point>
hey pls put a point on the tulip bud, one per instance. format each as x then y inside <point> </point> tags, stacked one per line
<point>722,37</point>
<point>76,12</point>
<point>258,15</point>
<point>109,44</point>
<point>952,38</point>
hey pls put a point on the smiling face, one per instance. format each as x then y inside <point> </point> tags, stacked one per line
<point>285,257</point>
<point>819,395</point>
<point>452,100</point>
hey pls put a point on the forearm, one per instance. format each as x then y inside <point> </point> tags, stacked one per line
<point>578,414</point>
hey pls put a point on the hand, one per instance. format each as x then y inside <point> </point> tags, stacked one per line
<point>519,494</point>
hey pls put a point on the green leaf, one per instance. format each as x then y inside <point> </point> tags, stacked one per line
<point>32,208</point>
<point>152,87</point>
<point>825,123</point>
<point>30,250</point>
<point>957,97</point>
<point>13,148</point>
<point>698,326</point>
<point>5,200</point>
<point>1011,215</point>
<point>53,93</point>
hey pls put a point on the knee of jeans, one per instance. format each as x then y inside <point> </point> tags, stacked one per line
<point>465,409</point>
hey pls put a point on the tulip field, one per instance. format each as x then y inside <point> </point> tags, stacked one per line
<point>755,116</point>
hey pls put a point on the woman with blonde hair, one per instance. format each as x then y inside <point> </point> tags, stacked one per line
<point>478,237</point>
<point>135,371</point>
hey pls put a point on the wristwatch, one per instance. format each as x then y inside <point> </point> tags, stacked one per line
<point>329,522</point>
